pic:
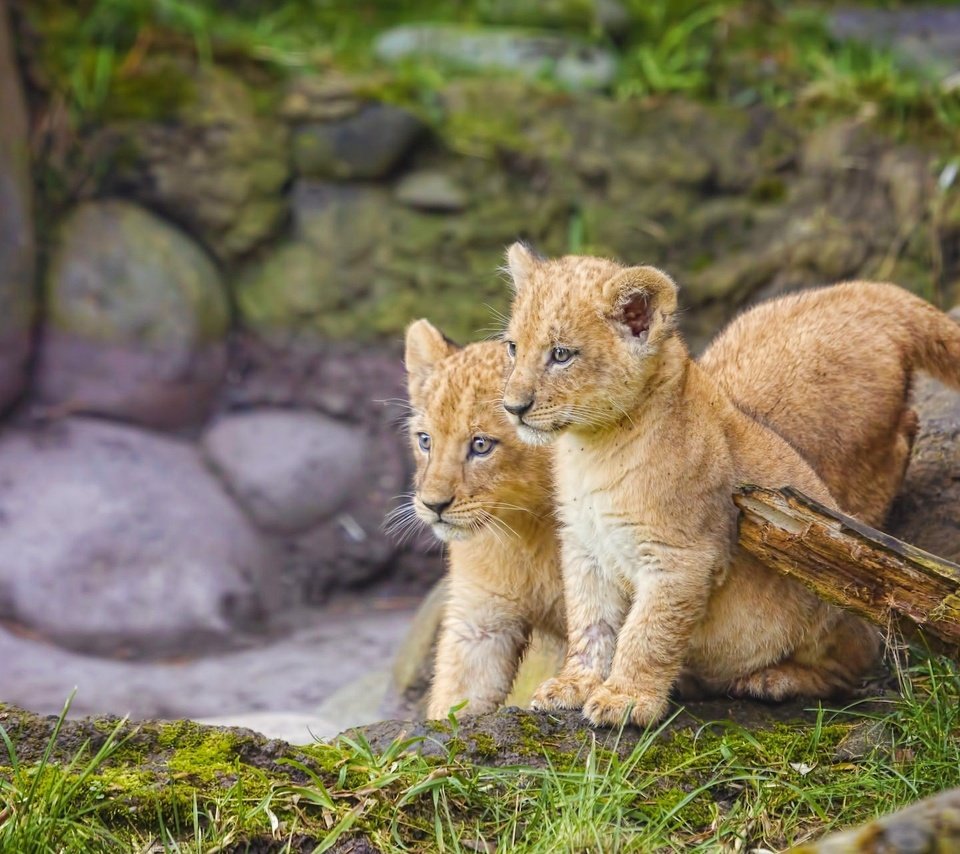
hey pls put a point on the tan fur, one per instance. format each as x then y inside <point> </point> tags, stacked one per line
<point>503,552</point>
<point>649,447</point>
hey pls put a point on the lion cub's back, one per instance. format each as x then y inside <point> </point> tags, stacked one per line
<point>825,369</point>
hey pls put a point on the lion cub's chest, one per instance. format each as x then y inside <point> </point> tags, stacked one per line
<point>614,525</point>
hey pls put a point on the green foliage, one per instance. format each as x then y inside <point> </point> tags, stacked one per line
<point>707,789</point>
<point>46,807</point>
<point>673,48</point>
<point>720,49</point>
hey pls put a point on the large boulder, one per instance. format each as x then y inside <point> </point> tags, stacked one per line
<point>364,389</point>
<point>115,540</point>
<point>16,226</point>
<point>137,319</point>
<point>288,469</point>
<point>209,157</point>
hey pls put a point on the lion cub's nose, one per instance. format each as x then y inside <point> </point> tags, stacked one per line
<point>438,506</point>
<point>518,409</point>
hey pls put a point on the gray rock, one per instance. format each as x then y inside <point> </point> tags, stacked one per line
<point>136,319</point>
<point>574,64</point>
<point>320,98</point>
<point>926,513</point>
<point>334,645</point>
<point>216,164</point>
<point>368,144</point>
<point>117,540</point>
<point>926,38</point>
<point>431,191</point>
<point>289,470</point>
<point>610,16</point>
<point>340,233</point>
<point>16,226</point>
<point>351,383</point>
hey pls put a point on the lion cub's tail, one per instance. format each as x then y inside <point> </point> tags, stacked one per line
<point>933,341</point>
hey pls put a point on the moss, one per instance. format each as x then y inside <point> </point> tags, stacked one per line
<point>768,188</point>
<point>484,745</point>
<point>158,93</point>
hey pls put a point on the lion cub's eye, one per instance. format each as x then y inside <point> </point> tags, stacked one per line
<point>512,349</point>
<point>562,355</point>
<point>480,446</point>
<point>424,440</point>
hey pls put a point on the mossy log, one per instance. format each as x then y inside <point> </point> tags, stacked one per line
<point>932,824</point>
<point>881,578</point>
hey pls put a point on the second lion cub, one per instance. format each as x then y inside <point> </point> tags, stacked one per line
<point>649,448</point>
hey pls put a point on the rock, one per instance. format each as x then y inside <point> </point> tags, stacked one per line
<point>512,736</point>
<point>574,64</point>
<point>926,512</point>
<point>696,765</point>
<point>334,645</point>
<point>412,667</point>
<point>115,539</point>
<point>289,470</point>
<point>358,703</point>
<point>137,318</point>
<point>368,144</point>
<point>340,234</point>
<point>320,98</point>
<point>930,825</point>
<point>431,191</point>
<point>926,38</point>
<point>212,161</point>
<point>292,727</point>
<point>367,386</point>
<point>16,226</point>
<point>610,16</point>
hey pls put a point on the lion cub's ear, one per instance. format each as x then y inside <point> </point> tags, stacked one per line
<point>425,347</point>
<point>521,262</point>
<point>640,301</point>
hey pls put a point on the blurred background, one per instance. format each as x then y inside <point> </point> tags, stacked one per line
<point>216,219</point>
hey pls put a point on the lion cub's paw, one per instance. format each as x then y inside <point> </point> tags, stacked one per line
<point>608,707</point>
<point>562,692</point>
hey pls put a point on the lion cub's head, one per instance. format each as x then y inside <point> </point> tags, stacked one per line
<point>583,339</point>
<point>472,471</point>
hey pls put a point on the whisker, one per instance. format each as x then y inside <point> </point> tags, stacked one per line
<point>504,526</point>
<point>503,505</point>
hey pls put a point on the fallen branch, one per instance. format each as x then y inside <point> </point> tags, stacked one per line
<point>877,576</point>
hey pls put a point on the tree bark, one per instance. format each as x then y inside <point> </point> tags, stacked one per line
<point>879,577</point>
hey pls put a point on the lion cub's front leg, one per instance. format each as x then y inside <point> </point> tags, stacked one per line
<point>481,642</point>
<point>595,609</point>
<point>671,590</point>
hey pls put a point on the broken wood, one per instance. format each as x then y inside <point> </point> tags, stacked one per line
<point>879,577</point>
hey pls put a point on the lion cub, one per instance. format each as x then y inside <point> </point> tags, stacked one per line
<point>490,497</point>
<point>649,448</point>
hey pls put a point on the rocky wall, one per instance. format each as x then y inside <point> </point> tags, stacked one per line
<point>226,282</point>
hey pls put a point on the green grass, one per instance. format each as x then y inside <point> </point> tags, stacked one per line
<point>719,788</point>
<point>775,53</point>
<point>52,808</point>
